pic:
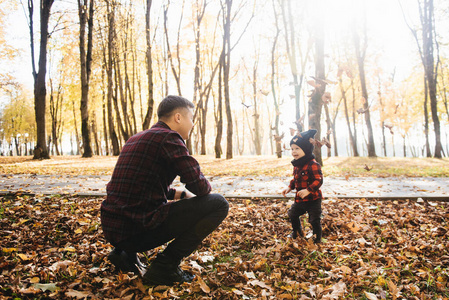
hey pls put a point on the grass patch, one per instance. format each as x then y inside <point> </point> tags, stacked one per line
<point>247,166</point>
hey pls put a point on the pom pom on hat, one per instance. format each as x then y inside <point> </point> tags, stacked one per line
<point>302,140</point>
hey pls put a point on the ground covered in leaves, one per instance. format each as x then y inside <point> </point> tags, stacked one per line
<point>52,247</point>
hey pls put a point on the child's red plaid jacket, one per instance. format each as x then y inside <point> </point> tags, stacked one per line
<point>307,177</point>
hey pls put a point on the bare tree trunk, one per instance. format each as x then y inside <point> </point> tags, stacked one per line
<point>426,119</point>
<point>431,69</point>
<point>226,70</point>
<point>86,61</point>
<point>360,55</point>
<point>149,114</point>
<point>77,139</point>
<point>291,52</point>
<point>316,103</point>
<point>277,136</point>
<point>256,115</point>
<point>219,110</point>
<point>55,114</point>
<point>352,137</point>
<point>109,72</point>
<point>176,73</point>
<point>40,91</point>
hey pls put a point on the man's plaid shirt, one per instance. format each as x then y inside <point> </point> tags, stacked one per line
<point>140,185</point>
<point>307,177</point>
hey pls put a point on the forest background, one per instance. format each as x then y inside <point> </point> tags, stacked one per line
<point>80,77</point>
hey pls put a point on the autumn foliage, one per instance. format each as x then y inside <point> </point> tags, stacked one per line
<point>52,247</point>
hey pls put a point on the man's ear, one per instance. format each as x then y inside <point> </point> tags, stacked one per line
<point>177,117</point>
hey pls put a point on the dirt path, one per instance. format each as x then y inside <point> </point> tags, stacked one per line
<point>248,186</point>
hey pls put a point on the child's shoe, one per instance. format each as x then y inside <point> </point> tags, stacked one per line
<point>293,235</point>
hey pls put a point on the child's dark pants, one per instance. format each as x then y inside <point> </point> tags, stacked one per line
<point>313,208</point>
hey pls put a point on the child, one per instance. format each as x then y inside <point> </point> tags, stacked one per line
<point>307,181</point>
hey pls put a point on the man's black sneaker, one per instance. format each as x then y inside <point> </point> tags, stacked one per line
<point>126,263</point>
<point>160,273</point>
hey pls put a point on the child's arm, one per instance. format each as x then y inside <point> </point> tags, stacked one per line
<point>303,193</point>
<point>317,174</point>
<point>286,191</point>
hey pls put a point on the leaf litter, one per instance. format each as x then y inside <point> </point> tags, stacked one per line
<point>52,247</point>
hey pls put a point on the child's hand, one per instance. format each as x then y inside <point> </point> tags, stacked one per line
<point>286,191</point>
<point>303,193</point>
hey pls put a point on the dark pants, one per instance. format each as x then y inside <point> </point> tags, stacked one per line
<point>313,208</point>
<point>188,223</point>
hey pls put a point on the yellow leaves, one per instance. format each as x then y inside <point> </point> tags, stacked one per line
<point>9,250</point>
<point>67,249</point>
<point>260,264</point>
<point>370,296</point>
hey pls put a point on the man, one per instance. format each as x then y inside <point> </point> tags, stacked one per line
<point>136,215</point>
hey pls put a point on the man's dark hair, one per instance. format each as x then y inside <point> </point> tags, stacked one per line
<point>170,103</point>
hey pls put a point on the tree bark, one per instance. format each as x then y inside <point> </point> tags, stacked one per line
<point>219,110</point>
<point>40,91</point>
<point>431,69</point>
<point>149,114</point>
<point>85,16</point>
<point>277,136</point>
<point>360,56</point>
<point>226,71</point>
<point>109,72</point>
<point>316,103</point>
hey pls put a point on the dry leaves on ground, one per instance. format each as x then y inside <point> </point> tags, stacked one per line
<point>52,247</point>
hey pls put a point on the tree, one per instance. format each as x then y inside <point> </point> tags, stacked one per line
<point>290,42</point>
<point>426,51</point>
<point>108,62</point>
<point>86,15</point>
<point>149,64</point>
<point>430,67</point>
<point>360,52</point>
<point>277,136</point>
<point>226,70</point>
<point>316,102</point>
<point>40,91</point>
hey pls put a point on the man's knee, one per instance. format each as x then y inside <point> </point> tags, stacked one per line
<point>220,202</point>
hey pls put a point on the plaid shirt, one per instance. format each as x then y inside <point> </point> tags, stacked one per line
<point>307,177</point>
<point>140,185</point>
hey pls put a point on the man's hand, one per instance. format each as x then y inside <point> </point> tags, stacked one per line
<point>303,193</point>
<point>286,191</point>
<point>179,193</point>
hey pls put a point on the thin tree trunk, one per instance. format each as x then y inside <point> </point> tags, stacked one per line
<point>85,62</point>
<point>40,91</point>
<point>277,137</point>
<point>149,114</point>
<point>352,138</point>
<point>226,71</point>
<point>109,72</point>
<point>360,55</point>
<point>431,69</point>
<point>219,114</point>
<point>316,103</point>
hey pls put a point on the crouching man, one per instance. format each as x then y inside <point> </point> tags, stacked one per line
<point>136,215</point>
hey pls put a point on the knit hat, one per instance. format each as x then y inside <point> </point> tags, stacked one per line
<point>302,140</point>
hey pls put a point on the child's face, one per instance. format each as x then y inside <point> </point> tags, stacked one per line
<point>297,152</point>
